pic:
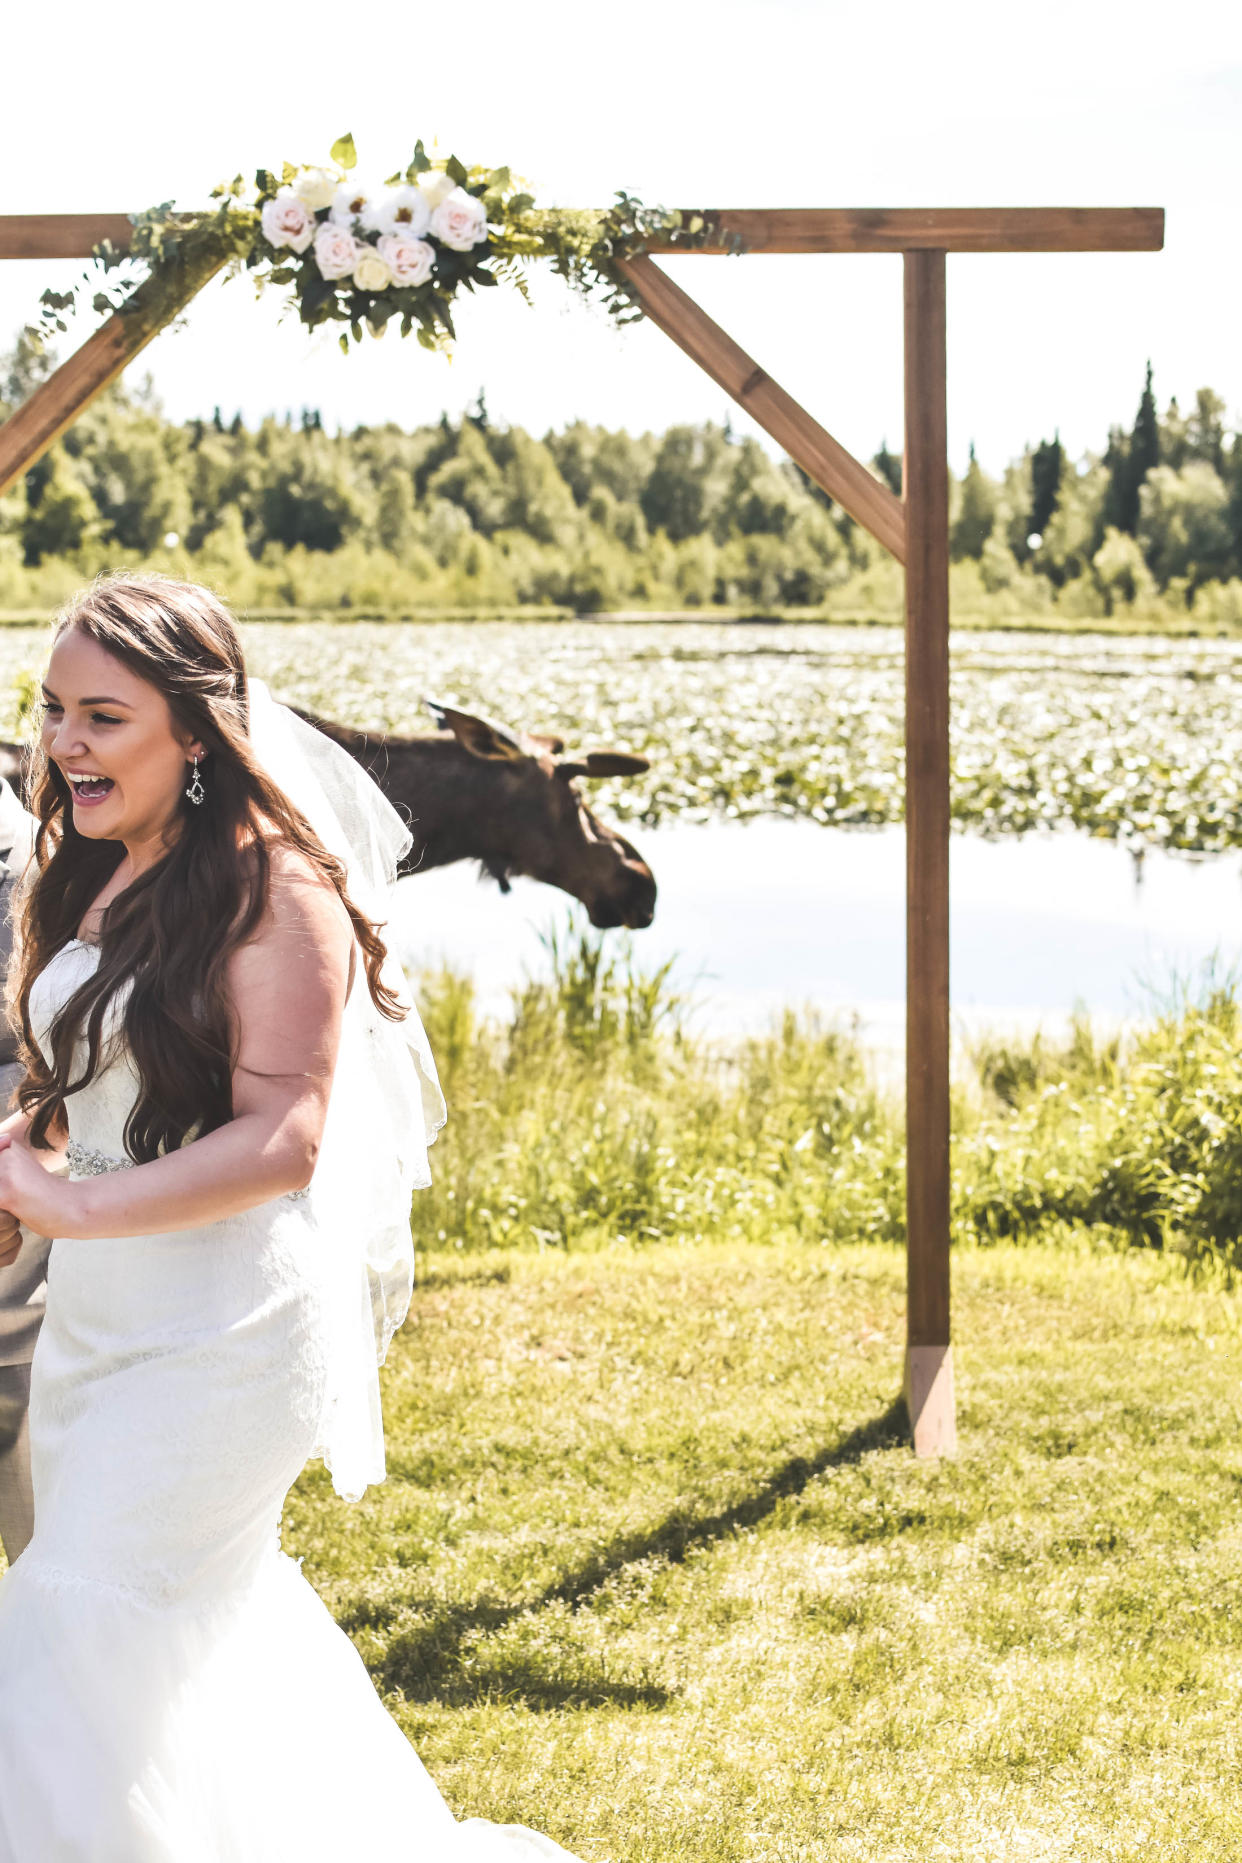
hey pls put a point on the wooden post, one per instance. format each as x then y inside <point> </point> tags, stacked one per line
<point>929,1361</point>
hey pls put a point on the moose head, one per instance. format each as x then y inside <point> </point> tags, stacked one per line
<point>480,791</point>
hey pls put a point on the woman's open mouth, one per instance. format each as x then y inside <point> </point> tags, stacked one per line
<point>90,790</point>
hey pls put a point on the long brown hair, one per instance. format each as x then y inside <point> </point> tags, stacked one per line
<point>173,930</point>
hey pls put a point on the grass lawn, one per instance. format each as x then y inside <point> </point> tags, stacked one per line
<point>654,1572</point>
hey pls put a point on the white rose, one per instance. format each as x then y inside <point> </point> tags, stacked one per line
<point>351,201</point>
<point>288,221</point>
<point>405,211</point>
<point>317,187</point>
<point>459,222</point>
<point>434,185</point>
<point>371,271</point>
<point>336,250</point>
<point>409,260</point>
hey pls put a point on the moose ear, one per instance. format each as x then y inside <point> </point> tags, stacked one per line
<point>604,763</point>
<point>479,736</point>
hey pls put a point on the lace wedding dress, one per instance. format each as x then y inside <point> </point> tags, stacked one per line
<point>171,1689</point>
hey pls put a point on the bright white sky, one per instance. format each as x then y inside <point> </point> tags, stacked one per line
<point>737,103</point>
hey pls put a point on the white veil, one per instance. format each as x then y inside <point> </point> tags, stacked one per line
<point>385,1107</point>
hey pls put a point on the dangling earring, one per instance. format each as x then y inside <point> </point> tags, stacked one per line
<point>196,792</point>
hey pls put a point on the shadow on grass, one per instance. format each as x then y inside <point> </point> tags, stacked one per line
<point>438,1651</point>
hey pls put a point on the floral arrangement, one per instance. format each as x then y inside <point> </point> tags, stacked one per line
<point>363,254</point>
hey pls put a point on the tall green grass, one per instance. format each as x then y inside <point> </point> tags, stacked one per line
<point>594,1114</point>
<point>1142,1139</point>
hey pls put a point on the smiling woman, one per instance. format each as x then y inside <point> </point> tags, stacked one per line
<point>146,680</point>
<point>91,736</point>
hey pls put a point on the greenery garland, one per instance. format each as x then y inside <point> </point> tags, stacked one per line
<point>364,257</point>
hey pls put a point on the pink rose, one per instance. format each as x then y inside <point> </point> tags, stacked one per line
<point>459,222</point>
<point>288,221</point>
<point>336,250</point>
<point>409,260</point>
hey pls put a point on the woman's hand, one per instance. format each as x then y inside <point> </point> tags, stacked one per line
<point>42,1200</point>
<point>10,1238</point>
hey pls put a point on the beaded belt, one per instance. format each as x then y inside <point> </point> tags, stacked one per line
<point>83,1162</point>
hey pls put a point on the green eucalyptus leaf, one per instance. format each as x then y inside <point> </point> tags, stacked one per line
<point>456,172</point>
<point>343,153</point>
<point>343,340</point>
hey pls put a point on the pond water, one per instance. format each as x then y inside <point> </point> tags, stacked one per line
<point>769,912</point>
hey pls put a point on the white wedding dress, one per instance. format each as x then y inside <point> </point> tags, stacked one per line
<point>171,1688</point>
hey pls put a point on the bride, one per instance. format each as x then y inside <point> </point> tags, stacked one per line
<point>218,1047</point>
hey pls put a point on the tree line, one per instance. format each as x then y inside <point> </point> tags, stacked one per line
<point>475,513</point>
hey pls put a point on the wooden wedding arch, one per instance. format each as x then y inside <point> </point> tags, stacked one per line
<point>915,528</point>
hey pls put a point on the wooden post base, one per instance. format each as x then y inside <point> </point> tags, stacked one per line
<point>930,1400</point>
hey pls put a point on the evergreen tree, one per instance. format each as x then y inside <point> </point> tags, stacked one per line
<point>888,465</point>
<point>976,515</point>
<point>1174,437</point>
<point>1205,430</point>
<point>1130,461</point>
<point>1116,463</point>
<point>1145,440</point>
<point>1047,471</point>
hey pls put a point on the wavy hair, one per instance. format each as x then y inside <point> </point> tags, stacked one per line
<point>171,932</point>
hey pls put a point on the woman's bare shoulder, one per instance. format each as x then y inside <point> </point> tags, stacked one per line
<point>298,894</point>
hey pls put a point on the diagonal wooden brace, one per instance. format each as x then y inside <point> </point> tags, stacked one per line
<point>56,403</point>
<point>822,458</point>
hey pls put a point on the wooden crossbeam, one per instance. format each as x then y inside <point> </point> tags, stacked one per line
<point>41,419</point>
<point>61,235</point>
<point>824,459</point>
<point>760,229</point>
<point>937,229</point>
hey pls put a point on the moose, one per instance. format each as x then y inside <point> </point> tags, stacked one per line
<point>479,791</point>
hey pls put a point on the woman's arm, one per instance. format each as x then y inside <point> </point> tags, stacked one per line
<point>288,987</point>
<point>15,1131</point>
